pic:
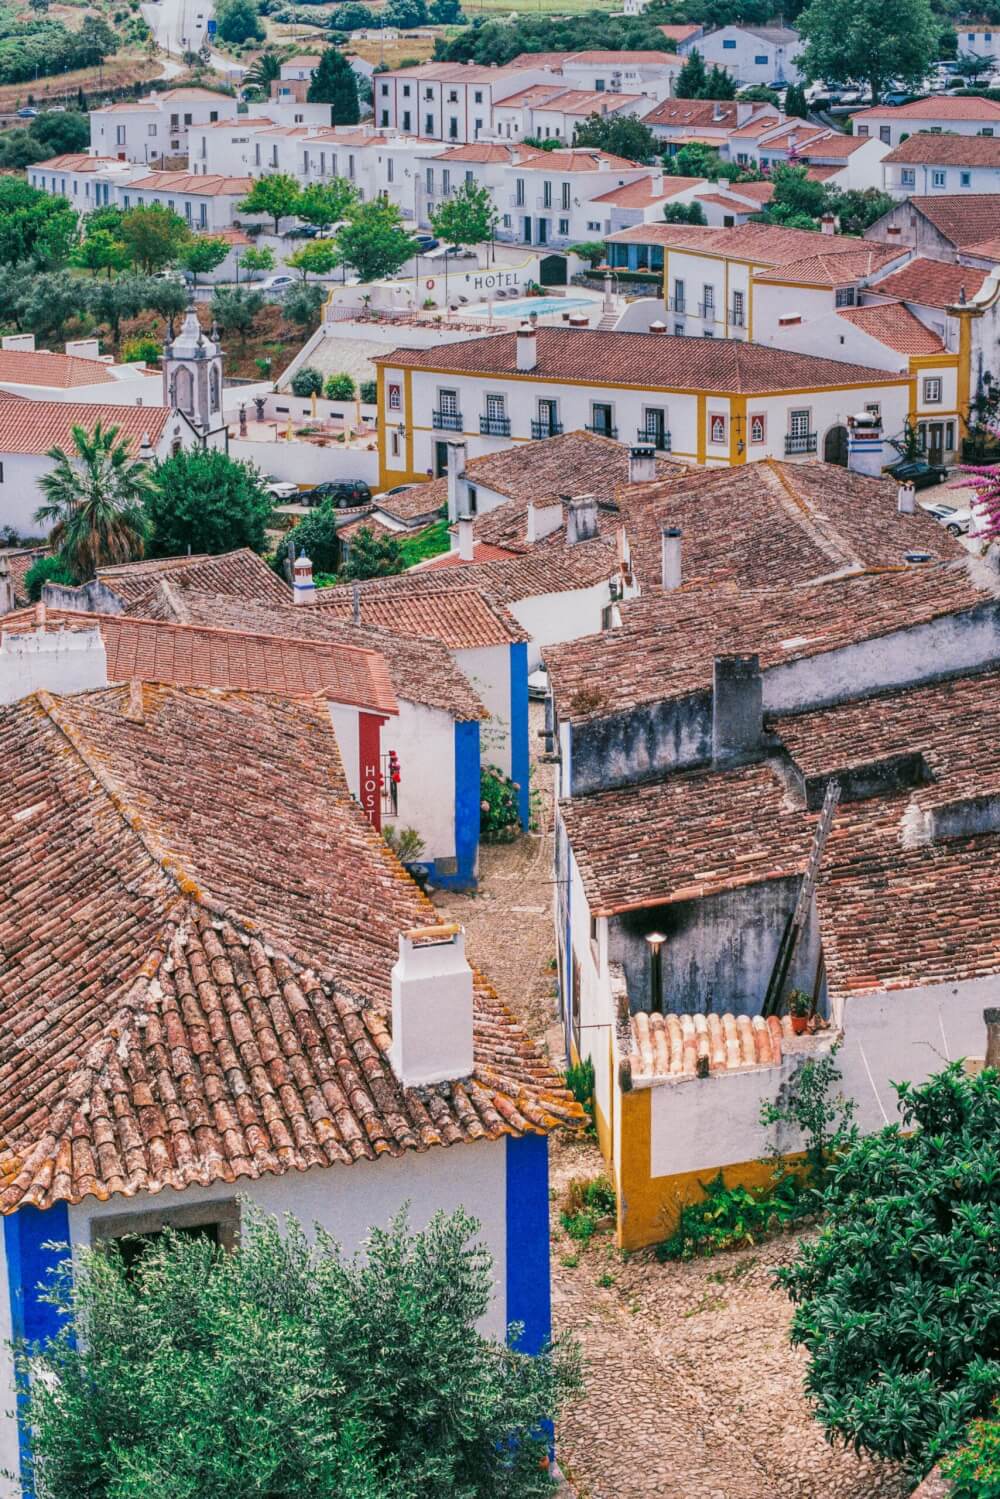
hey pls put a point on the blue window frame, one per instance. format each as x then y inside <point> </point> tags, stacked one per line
<point>730,44</point>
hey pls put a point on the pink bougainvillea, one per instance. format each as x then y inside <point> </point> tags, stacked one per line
<point>985,480</point>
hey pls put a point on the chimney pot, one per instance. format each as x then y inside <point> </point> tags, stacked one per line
<point>543,520</point>
<point>581,519</point>
<point>657,327</point>
<point>458,490</point>
<point>670,552</point>
<point>303,587</point>
<point>527,348</point>
<point>466,539</point>
<point>906,499</point>
<point>641,464</point>
<point>431,1007</point>
<point>737,707</point>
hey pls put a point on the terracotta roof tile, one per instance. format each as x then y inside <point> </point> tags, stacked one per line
<point>240,574</point>
<point>459,615</point>
<point>212,186</point>
<point>79,161</point>
<point>762,244</point>
<point>964,218</point>
<point>194,1016</point>
<point>55,371</point>
<point>36,426</point>
<point>946,150</point>
<point>840,266</point>
<point>932,283</point>
<point>642,359</point>
<point>647,190</point>
<point>698,112</point>
<point>895,326</point>
<point>572,463</point>
<point>19,560</point>
<point>671,1046</point>
<point>943,107</point>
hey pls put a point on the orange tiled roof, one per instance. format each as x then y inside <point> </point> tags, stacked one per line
<point>581,159</point>
<point>947,150</point>
<point>55,371</point>
<point>79,161</point>
<point>461,617</point>
<point>851,262</point>
<point>680,33</point>
<point>240,574</point>
<point>763,244</point>
<point>174,1013</point>
<point>933,283</point>
<point>647,190</point>
<point>939,107</point>
<point>699,112</point>
<point>36,426</point>
<point>895,326</point>
<point>964,218</point>
<point>212,186</point>
<point>483,551</point>
<point>672,1045</point>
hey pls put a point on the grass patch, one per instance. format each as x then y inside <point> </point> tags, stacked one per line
<point>588,1202</point>
<point>430,542</point>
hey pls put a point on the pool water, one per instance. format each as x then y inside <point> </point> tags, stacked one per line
<point>540,305</point>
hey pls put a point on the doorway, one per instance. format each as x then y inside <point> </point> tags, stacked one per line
<point>552,270</point>
<point>934,442</point>
<point>835,446</point>
<point>440,459</point>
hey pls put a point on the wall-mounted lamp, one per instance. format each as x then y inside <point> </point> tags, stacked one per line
<point>656,941</point>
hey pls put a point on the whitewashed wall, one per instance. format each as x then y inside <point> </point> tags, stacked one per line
<point>424,740</point>
<point>488,670</point>
<point>551,618</point>
<point>304,463</point>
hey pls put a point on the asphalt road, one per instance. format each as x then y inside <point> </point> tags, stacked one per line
<point>181,26</point>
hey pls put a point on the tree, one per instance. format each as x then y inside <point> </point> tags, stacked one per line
<point>795,102</point>
<point>316,535</point>
<point>759,93</point>
<point>897,1301</point>
<point>307,381</point>
<point>48,300</point>
<point>719,84</point>
<point>258,258</point>
<point>316,1375</point>
<point>335,83</point>
<point>971,66</point>
<point>204,255</point>
<point>58,134</point>
<point>165,295</point>
<point>340,388</point>
<point>624,136</point>
<point>303,302</point>
<point>375,242</point>
<point>238,21</point>
<point>697,160</point>
<point>467,217</point>
<point>206,502</point>
<point>101,251</point>
<point>684,213</point>
<point>405,13</point>
<point>276,194</point>
<point>155,236</point>
<point>858,208</point>
<point>895,42</point>
<point>111,301</point>
<point>352,16</point>
<point>262,72</point>
<point>798,201</point>
<point>373,554</point>
<point>46,570</point>
<point>590,249</point>
<point>690,81</point>
<point>445,13</point>
<point>94,501</point>
<point>108,218</point>
<point>325,203</point>
<point>235,309</point>
<point>34,226</point>
<point>317,257</point>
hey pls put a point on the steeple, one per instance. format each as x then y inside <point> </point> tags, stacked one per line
<point>192,372</point>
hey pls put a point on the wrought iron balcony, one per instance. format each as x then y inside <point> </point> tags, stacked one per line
<point>661,441</point>
<point>447,421</point>
<point>737,317</point>
<point>800,442</point>
<point>706,310</point>
<point>677,304</point>
<point>601,429</point>
<point>494,426</point>
<point>546,429</point>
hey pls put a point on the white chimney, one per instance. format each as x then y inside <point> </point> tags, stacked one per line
<point>543,520</point>
<point>527,348</point>
<point>641,464</point>
<point>657,327</point>
<point>51,659</point>
<point>431,1007</point>
<point>303,587</point>
<point>581,519</point>
<point>670,557</point>
<point>466,539</point>
<point>457,487</point>
<point>18,343</point>
<point>864,444</point>
<point>84,348</point>
<point>827,223</point>
<point>906,499</point>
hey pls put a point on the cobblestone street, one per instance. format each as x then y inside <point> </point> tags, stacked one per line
<point>692,1390</point>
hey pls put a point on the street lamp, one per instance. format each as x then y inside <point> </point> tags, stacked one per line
<point>655,941</point>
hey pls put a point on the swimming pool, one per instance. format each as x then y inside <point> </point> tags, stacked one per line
<point>528,305</point>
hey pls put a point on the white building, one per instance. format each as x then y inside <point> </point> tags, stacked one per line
<point>87,181</point>
<point>931,163</point>
<point>707,121</point>
<point>977,39</point>
<point>551,111</point>
<point>753,54</point>
<point>205,203</point>
<point>80,374</point>
<point>937,114</point>
<point>445,100</point>
<point>156,126</point>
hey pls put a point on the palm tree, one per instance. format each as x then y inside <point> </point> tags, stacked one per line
<point>262,72</point>
<point>94,501</point>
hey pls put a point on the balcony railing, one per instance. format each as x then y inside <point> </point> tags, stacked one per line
<point>494,426</point>
<point>737,317</point>
<point>546,429</point>
<point>706,310</point>
<point>661,441</point>
<point>447,421</point>
<point>677,304</point>
<point>601,429</point>
<point>800,442</point>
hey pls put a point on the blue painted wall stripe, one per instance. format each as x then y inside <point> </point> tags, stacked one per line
<point>528,1290</point>
<point>520,755</point>
<point>466,808</point>
<point>35,1243</point>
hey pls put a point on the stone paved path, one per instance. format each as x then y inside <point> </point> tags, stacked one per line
<point>692,1391</point>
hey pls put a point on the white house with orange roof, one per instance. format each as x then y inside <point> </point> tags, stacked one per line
<point>78,374</point>
<point>938,114</point>
<point>158,124</point>
<point>446,101</point>
<point>930,163</point>
<point>754,54</point>
<point>553,111</point>
<point>207,203</point>
<point>88,182</point>
<point>708,121</point>
<point>644,201</point>
<point>978,38</point>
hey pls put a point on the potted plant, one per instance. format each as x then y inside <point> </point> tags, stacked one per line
<point>799,1006</point>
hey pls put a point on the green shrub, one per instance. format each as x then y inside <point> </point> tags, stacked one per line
<point>406,843</point>
<point>580,1082</point>
<point>733,1217</point>
<point>307,382</point>
<point>585,1204</point>
<point>368,391</point>
<point>339,388</point>
<point>142,348</point>
<point>499,821</point>
<point>46,570</point>
<point>974,1470</point>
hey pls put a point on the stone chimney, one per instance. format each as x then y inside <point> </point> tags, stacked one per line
<point>303,587</point>
<point>737,708</point>
<point>670,557</point>
<point>458,490</point>
<point>527,348</point>
<point>828,223</point>
<point>864,444</point>
<point>466,539</point>
<point>543,520</point>
<point>906,499</point>
<point>6,587</point>
<point>52,659</point>
<point>581,519</point>
<point>431,1007</point>
<point>641,464</point>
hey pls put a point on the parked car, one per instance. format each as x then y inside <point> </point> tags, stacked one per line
<point>897,98</point>
<point>344,493</point>
<point>384,494</point>
<point>279,282</point>
<point>426,242</point>
<point>956,522</point>
<point>918,472</point>
<point>303,231</point>
<point>27,113</point>
<point>280,489</point>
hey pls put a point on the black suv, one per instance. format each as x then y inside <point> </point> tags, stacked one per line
<point>344,493</point>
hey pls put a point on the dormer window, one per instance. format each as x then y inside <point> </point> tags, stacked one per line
<point>846,296</point>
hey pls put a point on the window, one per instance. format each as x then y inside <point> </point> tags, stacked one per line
<point>593,223</point>
<point>394,444</point>
<point>477,126</point>
<point>448,402</point>
<point>256,154</point>
<point>477,97</point>
<point>798,423</point>
<point>564,226</point>
<point>599,85</point>
<point>716,427</point>
<point>127,202</point>
<point>496,407</point>
<point>428,124</point>
<point>708,333</point>
<point>908,177</point>
<point>729,44</point>
<point>453,128</point>
<point>430,179</point>
<point>217,1221</point>
<point>738,310</point>
<point>986,130</point>
<point>507,221</point>
<point>406,119</point>
<point>519,192</point>
<point>602,418</point>
<point>390,170</point>
<point>885,134</point>
<point>213,116</point>
<point>862,129</point>
<point>395,397</point>
<point>564,201</point>
<point>874,408</point>
<point>406,90</point>
<point>938,178</point>
<point>187,120</point>
<point>453,96</point>
<point>708,300</point>
<point>678,295</point>
<point>760,61</point>
<point>758,427</point>
<point>949,442</point>
<point>350,167</point>
<point>428,93</point>
<point>470,178</point>
<point>845,296</point>
<point>385,117</point>
<point>965,179</point>
<point>678,330</point>
<point>546,194</point>
<point>445,180</point>
<point>932,391</point>
<point>385,91</point>
<point>150,129</point>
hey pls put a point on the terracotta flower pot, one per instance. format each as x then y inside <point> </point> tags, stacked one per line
<point>799,1024</point>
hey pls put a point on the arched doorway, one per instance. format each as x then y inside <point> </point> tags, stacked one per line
<point>552,270</point>
<point>835,446</point>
